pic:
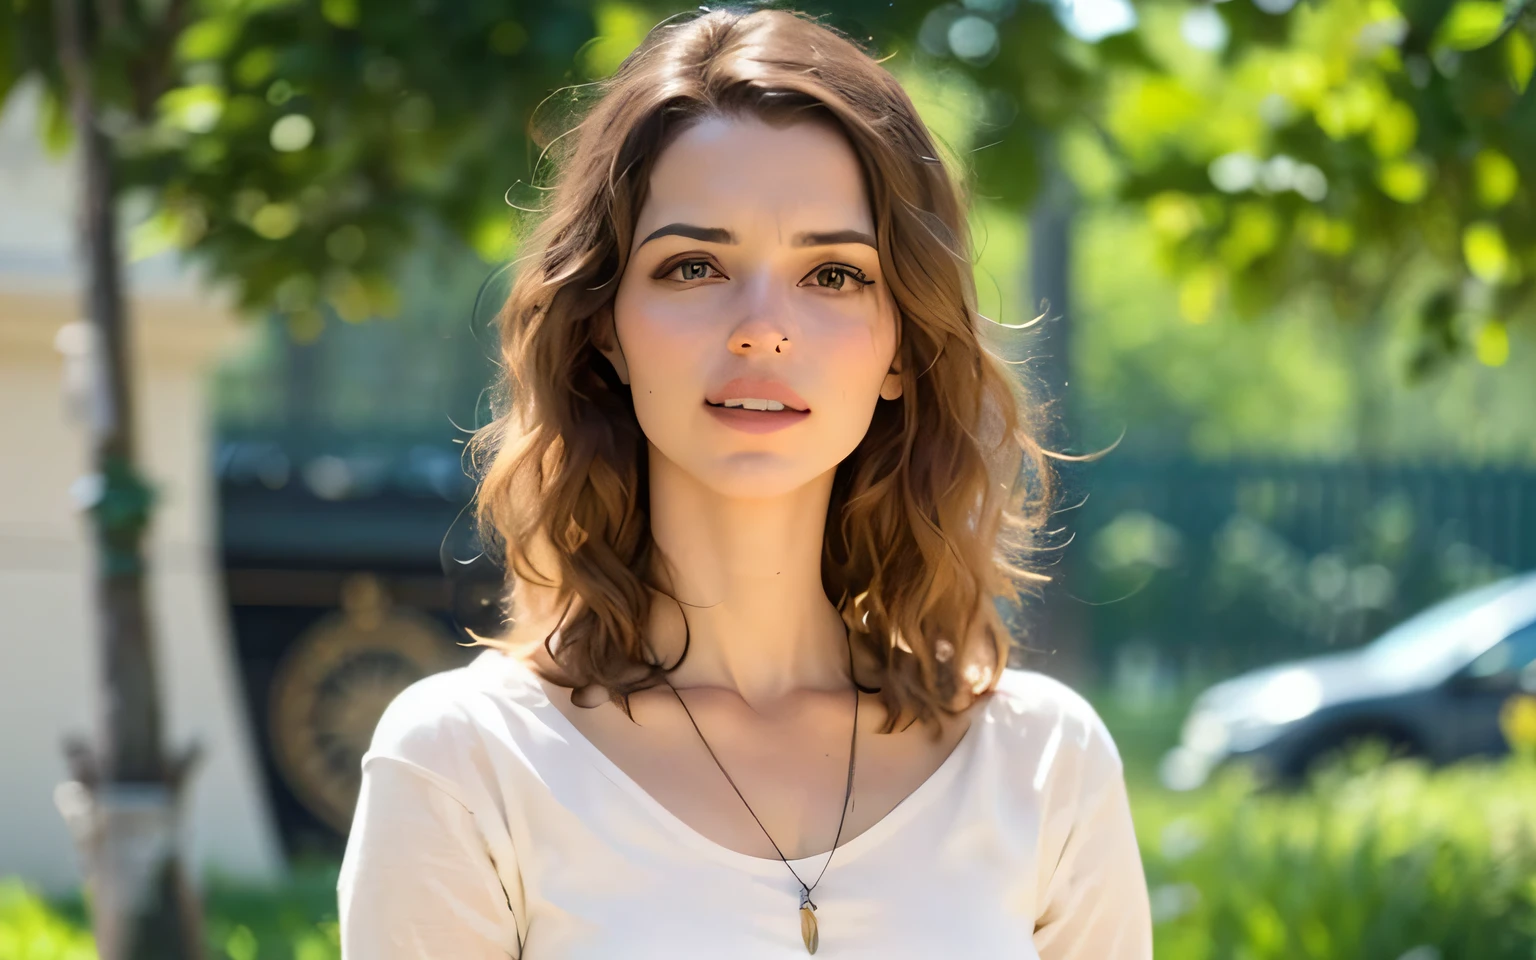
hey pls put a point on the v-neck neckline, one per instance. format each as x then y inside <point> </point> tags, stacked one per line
<point>908,807</point>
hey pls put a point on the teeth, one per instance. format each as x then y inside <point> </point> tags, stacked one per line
<point>752,403</point>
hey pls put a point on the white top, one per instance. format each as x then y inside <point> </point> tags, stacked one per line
<point>487,818</point>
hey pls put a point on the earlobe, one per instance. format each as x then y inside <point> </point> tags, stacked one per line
<point>605,337</point>
<point>890,389</point>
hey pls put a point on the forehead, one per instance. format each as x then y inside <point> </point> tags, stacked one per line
<point>743,174</point>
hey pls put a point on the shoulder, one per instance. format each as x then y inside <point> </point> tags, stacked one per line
<point>1036,698</point>
<point>422,716</point>
<point>1049,735</point>
<point>437,724</point>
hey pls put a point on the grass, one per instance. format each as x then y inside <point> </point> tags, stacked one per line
<point>1395,861</point>
<point>296,921</point>
<point>1374,861</point>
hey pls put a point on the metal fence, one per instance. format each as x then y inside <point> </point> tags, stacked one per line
<point>1220,566</point>
<point>1210,567</point>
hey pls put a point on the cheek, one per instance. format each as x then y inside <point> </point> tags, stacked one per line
<point>851,362</point>
<point>864,350</point>
<point>652,334</point>
<point>665,351</point>
<point>853,357</point>
<point>653,348</point>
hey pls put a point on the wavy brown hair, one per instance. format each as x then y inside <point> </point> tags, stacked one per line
<point>934,512</point>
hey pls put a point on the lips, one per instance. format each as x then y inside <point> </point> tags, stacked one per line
<point>757,389</point>
<point>756,421</point>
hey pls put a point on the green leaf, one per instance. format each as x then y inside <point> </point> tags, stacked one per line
<point>1492,344</point>
<point>255,67</point>
<point>274,221</point>
<point>1199,292</point>
<point>1496,178</point>
<point>194,109</point>
<point>1394,131</point>
<point>491,236</point>
<point>208,39</point>
<point>620,28</point>
<point>241,944</point>
<point>1253,233</point>
<point>340,13</point>
<point>508,38</point>
<point>1486,253</point>
<point>1406,181</point>
<point>1325,234</point>
<point>1174,215</point>
<point>1519,59</point>
<point>1471,24</point>
<point>155,235</point>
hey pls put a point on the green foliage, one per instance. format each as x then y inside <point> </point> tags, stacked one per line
<point>1301,384</point>
<point>32,930</point>
<point>296,921</point>
<point>298,149</point>
<point>1374,145</point>
<point>305,147</point>
<point>1314,161</point>
<point>1393,862</point>
<point>1363,867</point>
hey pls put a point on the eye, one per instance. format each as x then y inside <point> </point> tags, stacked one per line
<point>694,269</point>
<point>834,276</point>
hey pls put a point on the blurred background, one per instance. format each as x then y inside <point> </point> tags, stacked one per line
<point>1282,263</point>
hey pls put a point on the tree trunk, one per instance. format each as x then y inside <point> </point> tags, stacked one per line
<point>124,805</point>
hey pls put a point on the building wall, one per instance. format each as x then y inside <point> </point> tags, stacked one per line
<point>48,633</point>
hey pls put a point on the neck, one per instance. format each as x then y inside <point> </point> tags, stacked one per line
<point>748,572</point>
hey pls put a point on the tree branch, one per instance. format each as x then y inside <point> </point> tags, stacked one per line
<point>1511,18</point>
<point>152,77</point>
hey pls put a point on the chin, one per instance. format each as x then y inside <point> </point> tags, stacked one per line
<point>757,475</point>
<point>743,467</point>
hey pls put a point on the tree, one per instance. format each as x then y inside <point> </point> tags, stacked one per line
<point>1364,150</point>
<point>294,149</point>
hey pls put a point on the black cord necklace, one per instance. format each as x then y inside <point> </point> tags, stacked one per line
<point>809,931</point>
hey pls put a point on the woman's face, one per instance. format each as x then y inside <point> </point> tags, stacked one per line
<point>753,281</point>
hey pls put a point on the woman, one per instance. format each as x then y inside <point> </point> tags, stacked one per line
<point>759,485</point>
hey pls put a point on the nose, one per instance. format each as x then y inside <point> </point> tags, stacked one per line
<point>758,336</point>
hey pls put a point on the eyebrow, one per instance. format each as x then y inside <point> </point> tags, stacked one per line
<point>706,234</point>
<point>722,235</point>
<point>833,238</point>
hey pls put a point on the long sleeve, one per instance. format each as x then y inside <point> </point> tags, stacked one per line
<point>1096,905</point>
<point>417,880</point>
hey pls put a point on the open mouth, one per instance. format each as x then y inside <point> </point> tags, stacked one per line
<point>756,405</point>
<point>753,415</point>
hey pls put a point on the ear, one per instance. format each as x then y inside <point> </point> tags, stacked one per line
<point>890,387</point>
<point>605,336</point>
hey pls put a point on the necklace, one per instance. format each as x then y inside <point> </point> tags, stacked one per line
<point>809,932</point>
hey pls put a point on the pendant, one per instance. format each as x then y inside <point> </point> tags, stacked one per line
<point>808,930</point>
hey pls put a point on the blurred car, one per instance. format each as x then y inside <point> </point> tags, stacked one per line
<point>1434,686</point>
